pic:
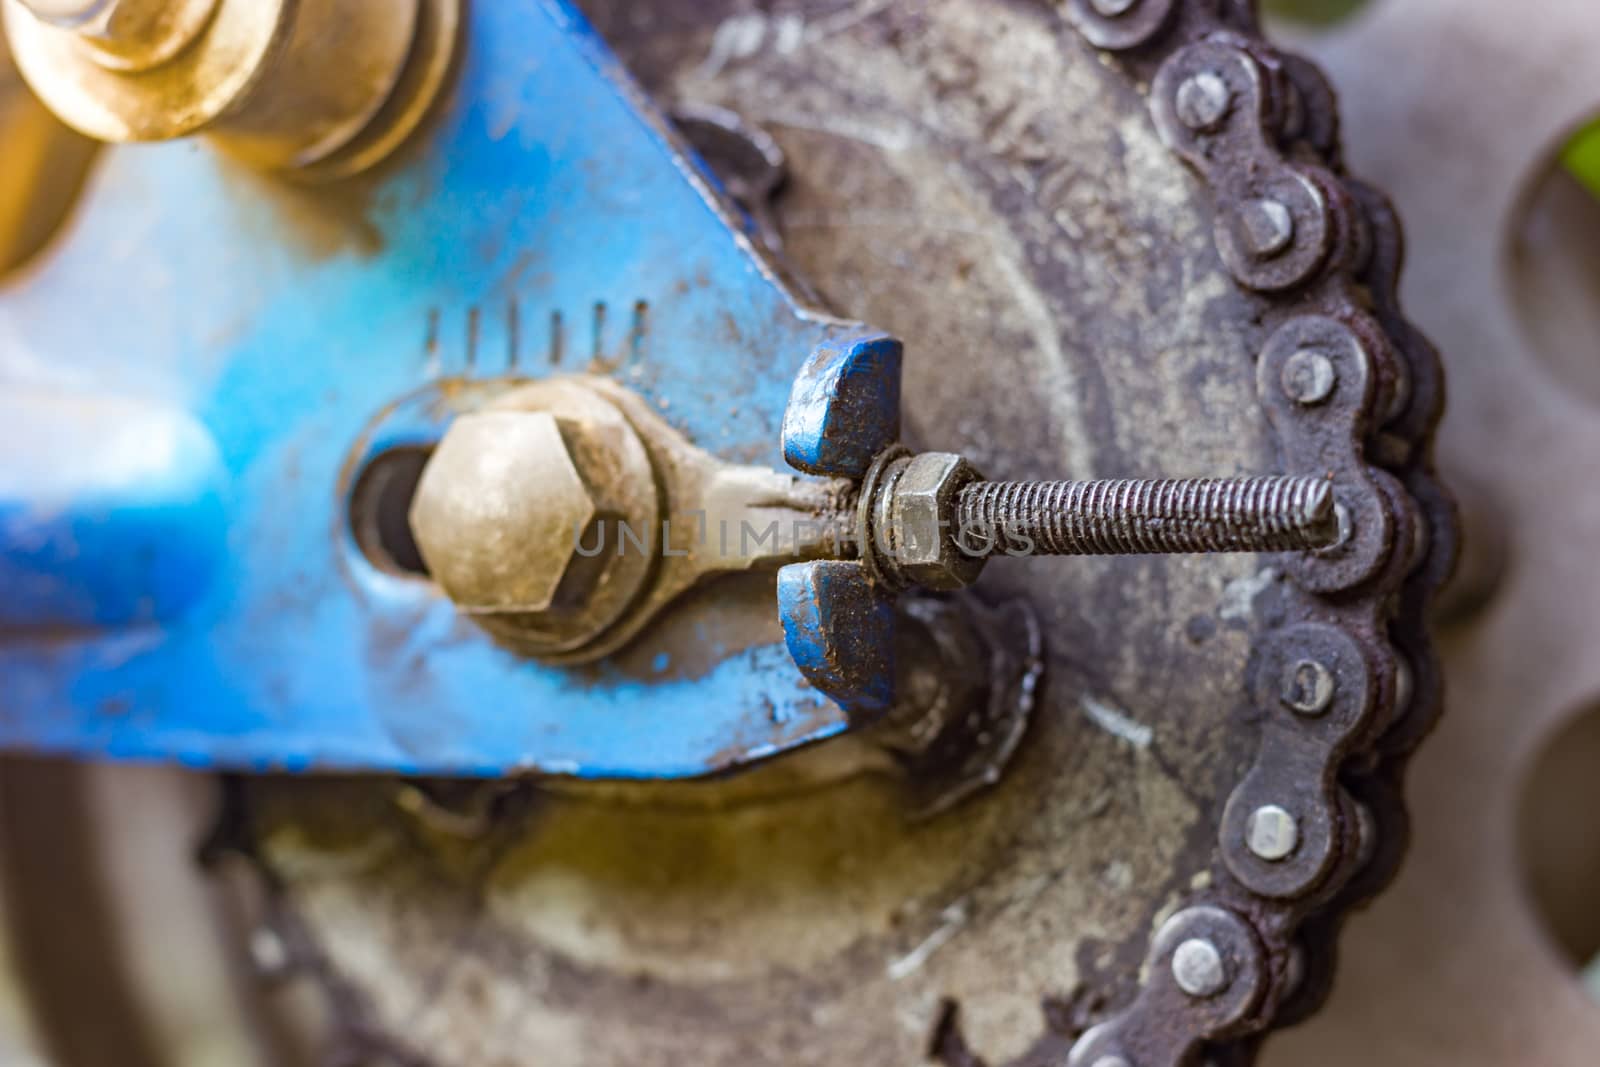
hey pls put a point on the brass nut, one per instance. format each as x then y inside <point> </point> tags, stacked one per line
<point>921,539</point>
<point>325,87</point>
<point>128,35</point>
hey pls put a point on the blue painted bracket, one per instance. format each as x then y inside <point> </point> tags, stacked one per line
<point>192,374</point>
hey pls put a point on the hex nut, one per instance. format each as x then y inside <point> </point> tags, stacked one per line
<point>921,537</point>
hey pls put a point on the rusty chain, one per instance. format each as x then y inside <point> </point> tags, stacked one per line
<point>1347,684</point>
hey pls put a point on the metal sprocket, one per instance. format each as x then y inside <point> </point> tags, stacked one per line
<point>976,177</point>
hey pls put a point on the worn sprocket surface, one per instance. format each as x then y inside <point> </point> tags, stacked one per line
<point>1093,278</point>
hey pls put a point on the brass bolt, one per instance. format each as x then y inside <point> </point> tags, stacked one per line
<point>327,88</point>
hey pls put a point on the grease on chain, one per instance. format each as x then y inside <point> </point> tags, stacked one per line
<point>1350,684</point>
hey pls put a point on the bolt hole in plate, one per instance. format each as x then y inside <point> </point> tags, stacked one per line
<point>380,509</point>
<point>1553,262</point>
<point>1559,843</point>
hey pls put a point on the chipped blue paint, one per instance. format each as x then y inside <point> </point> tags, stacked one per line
<point>845,406</point>
<point>839,627</point>
<point>548,222</point>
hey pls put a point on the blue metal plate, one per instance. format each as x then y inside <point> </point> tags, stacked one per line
<point>210,348</point>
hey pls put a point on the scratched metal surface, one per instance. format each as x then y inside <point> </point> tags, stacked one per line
<point>965,174</point>
<point>190,379</point>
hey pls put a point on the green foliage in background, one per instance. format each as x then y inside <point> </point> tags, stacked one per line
<point>1314,12</point>
<point>1581,157</point>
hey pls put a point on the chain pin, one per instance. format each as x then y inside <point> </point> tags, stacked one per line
<point>1198,968</point>
<point>1203,101</point>
<point>1272,833</point>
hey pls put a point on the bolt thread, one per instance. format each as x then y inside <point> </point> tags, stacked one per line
<point>1118,517</point>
